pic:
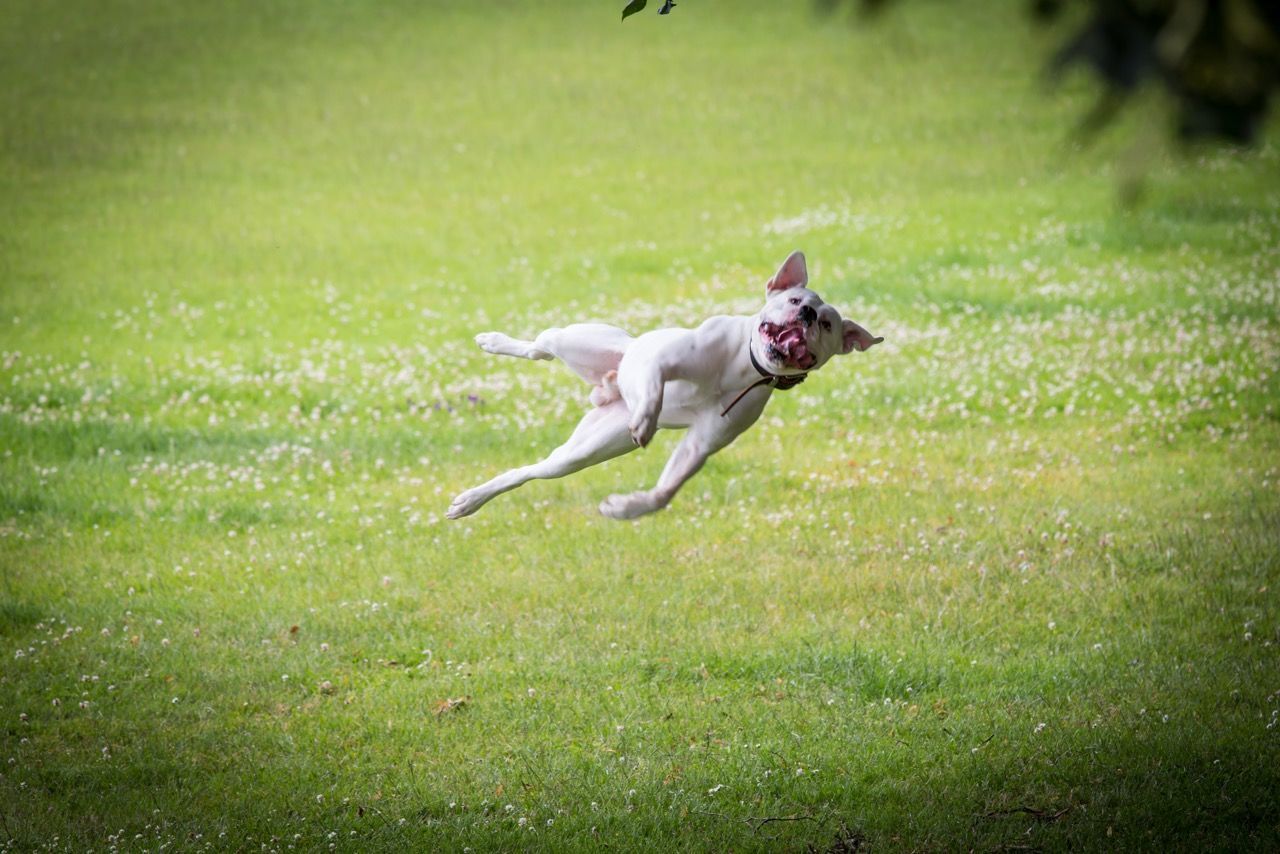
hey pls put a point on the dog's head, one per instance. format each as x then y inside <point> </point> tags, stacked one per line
<point>796,331</point>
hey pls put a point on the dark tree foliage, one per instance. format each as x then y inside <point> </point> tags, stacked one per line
<point>1219,59</point>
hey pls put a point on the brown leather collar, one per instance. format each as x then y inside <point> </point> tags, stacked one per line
<point>778,381</point>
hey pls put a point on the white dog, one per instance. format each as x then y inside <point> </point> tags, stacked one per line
<point>713,380</point>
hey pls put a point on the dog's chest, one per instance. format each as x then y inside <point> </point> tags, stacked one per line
<point>683,402</point>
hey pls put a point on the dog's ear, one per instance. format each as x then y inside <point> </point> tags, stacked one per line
<point>792,274</point>
<point>857,338</point>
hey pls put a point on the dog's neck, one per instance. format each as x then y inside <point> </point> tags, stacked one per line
<point>742,370</point>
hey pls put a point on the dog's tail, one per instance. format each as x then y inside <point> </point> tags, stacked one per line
<point>607,392</point>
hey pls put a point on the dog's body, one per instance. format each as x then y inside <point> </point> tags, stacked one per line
<point>714,380</point>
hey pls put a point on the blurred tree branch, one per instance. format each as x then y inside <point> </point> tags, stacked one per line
<point>1218,59</point>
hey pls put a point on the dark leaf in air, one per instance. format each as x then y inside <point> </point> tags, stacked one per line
<point>633,7</point>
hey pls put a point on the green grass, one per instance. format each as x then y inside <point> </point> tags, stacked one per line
<point>1009,580</point>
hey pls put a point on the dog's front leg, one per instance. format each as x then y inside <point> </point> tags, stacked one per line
<point>643,394</point>
<point>655,359</point>
<point>704,438</point>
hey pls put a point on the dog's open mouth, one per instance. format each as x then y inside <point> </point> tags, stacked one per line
<point>787,345</point>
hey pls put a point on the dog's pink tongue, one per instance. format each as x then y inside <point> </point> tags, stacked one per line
<point>793,344</point>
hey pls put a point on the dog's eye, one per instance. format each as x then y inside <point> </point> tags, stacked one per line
<point>794,300</point>
<point>826,325</point>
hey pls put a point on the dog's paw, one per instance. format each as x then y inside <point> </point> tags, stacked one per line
<point>643,426</point>
<point>628,506</point>
<point>465,504</point>
<point>491,341</point>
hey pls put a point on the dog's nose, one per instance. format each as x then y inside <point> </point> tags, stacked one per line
<point>808,315</point>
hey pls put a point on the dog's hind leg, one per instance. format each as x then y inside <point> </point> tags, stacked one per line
<point>601,435</point>
<point>591,350</point>
<point>505,345</point>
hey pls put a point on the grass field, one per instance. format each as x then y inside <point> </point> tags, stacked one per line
<point>1008,581</point>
